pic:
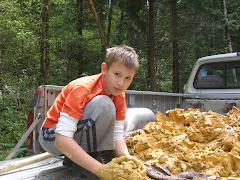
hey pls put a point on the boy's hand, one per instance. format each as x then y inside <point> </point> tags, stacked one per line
<point>115,168</point>
<point>106,171</point>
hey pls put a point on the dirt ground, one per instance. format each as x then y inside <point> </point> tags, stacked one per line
<point>191,141</point>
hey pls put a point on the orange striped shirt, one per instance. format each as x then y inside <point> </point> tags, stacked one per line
<point>77,94</point>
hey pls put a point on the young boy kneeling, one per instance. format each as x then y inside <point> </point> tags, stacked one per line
<point>88,115</point>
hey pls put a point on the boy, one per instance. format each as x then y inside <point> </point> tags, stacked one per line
<point>88,115</point>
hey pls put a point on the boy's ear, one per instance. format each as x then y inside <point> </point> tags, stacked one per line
<point>103,67</point>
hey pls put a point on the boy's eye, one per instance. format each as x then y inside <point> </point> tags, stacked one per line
<point>117,74</point>
<point>128,78</point>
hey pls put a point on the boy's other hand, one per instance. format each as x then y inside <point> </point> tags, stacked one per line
<point>123,167</point>
<point>105,172</point>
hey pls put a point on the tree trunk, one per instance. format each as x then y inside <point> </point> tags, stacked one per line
<point>119,34</point>
<point>151,46</point>
<point>3,94</point>
<point>104,42</point>
<point>109,22</point>
<point>229,38</point>
<point>23,55</point>
<point>44,44</point>
<point>226,27</point>
<point>175,81</point>
<point>79,30</point>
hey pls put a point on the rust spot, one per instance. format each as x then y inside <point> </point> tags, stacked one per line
<point>228,107</point>
<point>197,105</point>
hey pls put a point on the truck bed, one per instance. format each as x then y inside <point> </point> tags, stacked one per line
<point>49,169</point>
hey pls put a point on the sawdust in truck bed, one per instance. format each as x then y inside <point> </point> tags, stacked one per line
<point>190,141</point>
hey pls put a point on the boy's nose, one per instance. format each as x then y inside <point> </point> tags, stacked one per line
<point>120,82</point>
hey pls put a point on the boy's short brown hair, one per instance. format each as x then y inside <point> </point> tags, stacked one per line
<point>123,54</point>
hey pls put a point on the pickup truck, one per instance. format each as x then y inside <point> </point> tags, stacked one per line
<point>214,84</point>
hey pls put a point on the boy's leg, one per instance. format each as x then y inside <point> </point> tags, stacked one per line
<point>47,140</point>
<point>94,131</point>
<point>96,128</point>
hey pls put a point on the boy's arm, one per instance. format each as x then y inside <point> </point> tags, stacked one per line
<point>121,148</point>
<point>65,129</point>
<point>73,151</point>
<point>120,145</point>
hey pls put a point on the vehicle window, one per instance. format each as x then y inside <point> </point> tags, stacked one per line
<point>218,76</point>
<point>233,74</point>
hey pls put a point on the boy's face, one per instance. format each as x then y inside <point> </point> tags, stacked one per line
<point>117,78</point>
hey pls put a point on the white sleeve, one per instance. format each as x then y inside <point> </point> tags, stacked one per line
<point>118,130</point>
<point>67,125</point>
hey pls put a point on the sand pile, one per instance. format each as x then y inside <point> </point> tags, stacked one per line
<point>191,141</point>
<point>125,168</point>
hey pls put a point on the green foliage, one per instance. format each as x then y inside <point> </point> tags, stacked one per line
<point>18,95</point>
<point>77,51</point>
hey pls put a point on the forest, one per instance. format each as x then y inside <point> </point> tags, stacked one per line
<point>56,41</point>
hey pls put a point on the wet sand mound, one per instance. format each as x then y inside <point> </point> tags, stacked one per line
<point>191,141</point>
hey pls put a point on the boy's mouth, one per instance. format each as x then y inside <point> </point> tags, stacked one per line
<point>117,89</point>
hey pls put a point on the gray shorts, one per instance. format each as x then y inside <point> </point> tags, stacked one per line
<point>94,131</point>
